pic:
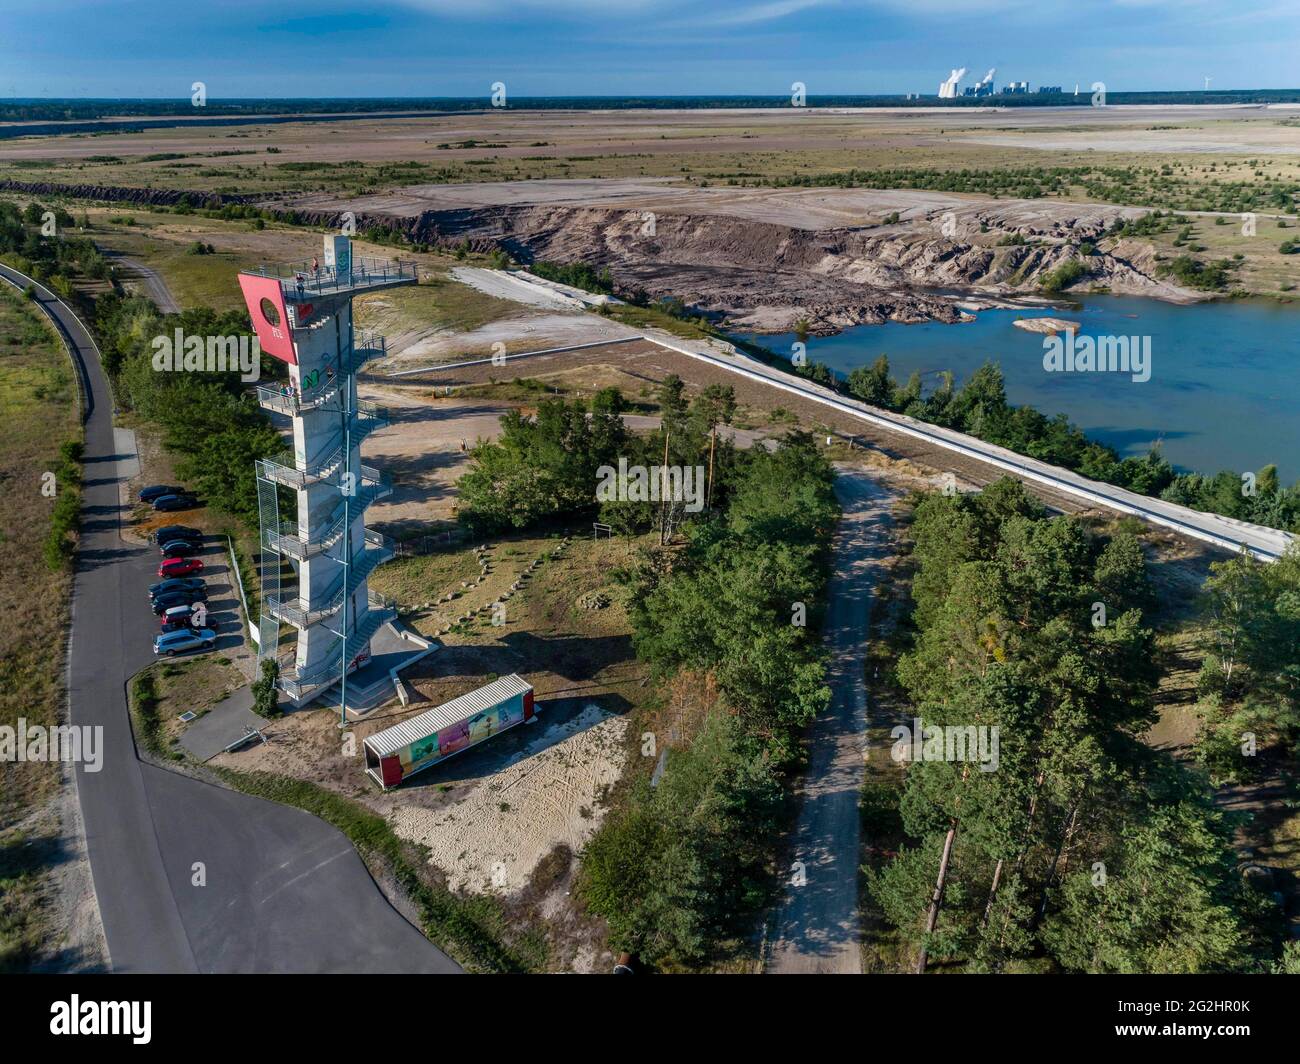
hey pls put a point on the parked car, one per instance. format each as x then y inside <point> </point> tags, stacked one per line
<point>157,491</point>
<point>175,502</point>
<point>180,548</point>
<point>181,595</point>
<point>178,642</point>
<point>180,583</point>
<point>176,617</point>
<point>163,603</point>
<point>171,532</point>
<point>182,617</point>
<point>180,567</point>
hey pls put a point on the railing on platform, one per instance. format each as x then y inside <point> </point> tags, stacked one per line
<point>378,549</point>
<point>300,279</point>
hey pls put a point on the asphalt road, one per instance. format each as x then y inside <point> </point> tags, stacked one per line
<point>150,281</point>
<point>817,928</point>
<point>191,877</point>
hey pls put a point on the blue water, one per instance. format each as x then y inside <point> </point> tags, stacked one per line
<point>1224,391</point>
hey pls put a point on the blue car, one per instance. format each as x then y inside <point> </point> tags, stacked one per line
<point>172,643</point>
<point>157,491</point>
<point>180,548</point>
<point>167,503</point>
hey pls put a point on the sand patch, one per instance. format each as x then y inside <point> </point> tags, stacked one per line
<point>491,838</point>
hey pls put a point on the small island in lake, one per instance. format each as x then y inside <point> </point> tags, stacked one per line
<point>1046,326</point>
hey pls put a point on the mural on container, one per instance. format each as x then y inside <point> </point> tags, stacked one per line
<point>464,733</point>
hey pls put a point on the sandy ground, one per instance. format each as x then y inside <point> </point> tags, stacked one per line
<point>1171,142</point>
<point>532,332</point>
<point>421,451</point>
<point>802,208</point>
<point>515,133</point>
<point>68,891</point>
<point>805,208</point>
<point>496,832</point>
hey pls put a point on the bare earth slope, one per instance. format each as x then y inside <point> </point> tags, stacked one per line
<point>767,258</point>
<point>759,258</point>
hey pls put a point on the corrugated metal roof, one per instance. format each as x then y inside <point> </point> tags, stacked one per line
<point>390,740</point>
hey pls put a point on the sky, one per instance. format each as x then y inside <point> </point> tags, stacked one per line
<point>159,48</point>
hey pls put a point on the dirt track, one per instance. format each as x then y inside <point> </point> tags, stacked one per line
<point>817,927</point>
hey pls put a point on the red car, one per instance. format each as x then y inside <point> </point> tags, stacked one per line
<point>180,567</point>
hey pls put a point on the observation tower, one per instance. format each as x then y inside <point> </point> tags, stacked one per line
<point>317,553</point>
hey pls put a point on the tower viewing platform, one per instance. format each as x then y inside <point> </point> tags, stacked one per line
<point>317,557</point>
<point>299,280</point>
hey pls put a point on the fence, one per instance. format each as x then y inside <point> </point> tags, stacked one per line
<point>421,545</point>
<point>238,581</point>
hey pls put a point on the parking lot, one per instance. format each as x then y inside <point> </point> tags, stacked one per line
<point>222,605</point>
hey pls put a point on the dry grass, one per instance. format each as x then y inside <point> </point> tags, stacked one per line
<point>562,648</point>
<point>700,145</point>
<point>38,412</point>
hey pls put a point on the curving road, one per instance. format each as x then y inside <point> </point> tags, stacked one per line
<point>150,281</point>
<point>191,877</point>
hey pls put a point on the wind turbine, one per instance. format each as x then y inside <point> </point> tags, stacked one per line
<point>1208,79</point>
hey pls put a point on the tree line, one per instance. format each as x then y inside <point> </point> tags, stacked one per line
<point>547,466</point>
<point>55,258</point>
<point>210,421</point>
<point>1249,682</point>
<point>1085,850</point>
<point>681,868</point>
<point>980,408</point>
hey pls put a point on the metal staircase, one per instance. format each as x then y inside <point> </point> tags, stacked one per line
<point>379,549</point>
<point>300,685</point>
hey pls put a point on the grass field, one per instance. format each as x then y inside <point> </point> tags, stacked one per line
<point>437,303</point>
<point>544,629</point>
<point>1262,267</point>
<point>166,689</point>
<point>38,411</point>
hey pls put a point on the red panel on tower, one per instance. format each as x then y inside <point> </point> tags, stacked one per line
<point>265,301</point>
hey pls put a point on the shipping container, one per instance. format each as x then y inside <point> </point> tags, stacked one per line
<point>431,737</point>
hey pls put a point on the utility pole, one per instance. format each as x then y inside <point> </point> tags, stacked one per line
<point>713,439</point>
<point>663,494</point>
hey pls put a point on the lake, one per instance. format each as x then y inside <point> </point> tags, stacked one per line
<point>1223,393</point>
